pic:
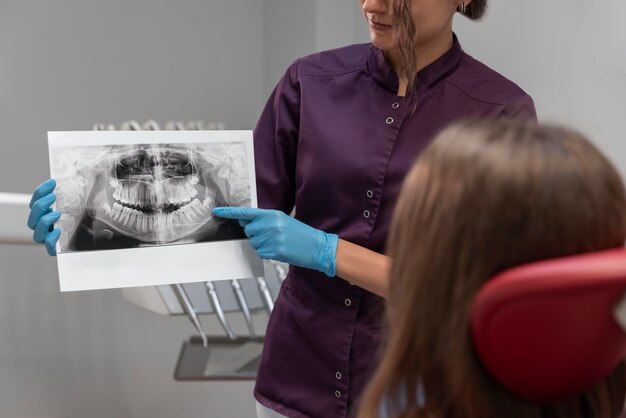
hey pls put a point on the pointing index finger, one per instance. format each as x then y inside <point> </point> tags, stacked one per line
<point>230,212</point>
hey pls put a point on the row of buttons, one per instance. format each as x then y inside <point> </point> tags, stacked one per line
<point>389,120</point>
<point>347,302</point>
<point>366,214</point>
<point>338,376</point>
<point>369,193</point>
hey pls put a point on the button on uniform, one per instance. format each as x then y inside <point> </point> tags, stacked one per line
<point>348,302</point>
<point>389,120</point>
<point>370,194</point>
<point>338,375</point>
<point>366,213</point>
<point>338,394</point>
<point>395,105</point>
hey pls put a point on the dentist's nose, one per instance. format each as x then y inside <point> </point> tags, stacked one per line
<point>374,6</point>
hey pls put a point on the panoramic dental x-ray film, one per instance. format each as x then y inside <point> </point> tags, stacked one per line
<point>137,207</point>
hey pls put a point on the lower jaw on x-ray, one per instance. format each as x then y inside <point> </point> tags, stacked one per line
<point>150,195</point>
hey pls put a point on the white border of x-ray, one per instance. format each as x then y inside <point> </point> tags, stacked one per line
<point>147,266</point>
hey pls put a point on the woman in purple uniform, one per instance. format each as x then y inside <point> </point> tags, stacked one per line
<point>335,141</point>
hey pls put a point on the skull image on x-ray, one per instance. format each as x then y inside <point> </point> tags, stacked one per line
<point>154,194</point>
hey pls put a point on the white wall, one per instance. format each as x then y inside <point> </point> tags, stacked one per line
<point>289,34</point>
<point>570,55</point>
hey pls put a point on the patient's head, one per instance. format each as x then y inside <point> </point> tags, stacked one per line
<point>483,197</point>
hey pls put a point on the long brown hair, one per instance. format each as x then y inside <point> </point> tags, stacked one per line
<point>405,35</point>
<point>486,196</point>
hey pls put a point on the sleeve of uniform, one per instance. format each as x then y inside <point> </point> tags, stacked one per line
<point>522,108</point>
<point>275,144</point>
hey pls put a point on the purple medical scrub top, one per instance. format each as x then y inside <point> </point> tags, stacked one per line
<point>336,141</point>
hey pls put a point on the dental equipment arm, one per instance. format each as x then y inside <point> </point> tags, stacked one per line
<point>241,300</point>
<point>265,293</point>
<point>190,311</point>
<point>217,307</point>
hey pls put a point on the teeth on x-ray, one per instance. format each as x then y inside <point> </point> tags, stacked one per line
<point>158,193</point>
<point>144,222</point>
<point>146,195</point>
<point>155,194</point>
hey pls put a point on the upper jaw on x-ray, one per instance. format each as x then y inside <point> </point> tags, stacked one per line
<point>155,194</point>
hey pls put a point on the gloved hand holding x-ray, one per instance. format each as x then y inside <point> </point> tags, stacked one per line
<point>41,218</point>
<point>112,195</point>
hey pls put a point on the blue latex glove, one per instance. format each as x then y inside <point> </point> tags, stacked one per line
<point>41,218</point>
<point>277,236</point>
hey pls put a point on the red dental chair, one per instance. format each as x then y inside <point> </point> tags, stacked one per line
<point>551,329</point>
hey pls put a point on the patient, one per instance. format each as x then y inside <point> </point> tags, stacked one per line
<point>484,197</point>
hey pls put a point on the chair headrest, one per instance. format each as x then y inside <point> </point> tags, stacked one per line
<point>547,330</point>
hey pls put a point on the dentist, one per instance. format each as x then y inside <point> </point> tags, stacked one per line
<point>336,139</point>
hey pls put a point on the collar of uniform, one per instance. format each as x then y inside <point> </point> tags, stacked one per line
<point>382,72</point>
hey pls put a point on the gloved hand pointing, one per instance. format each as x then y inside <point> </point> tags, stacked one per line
<point>277,236</point>
<point>41,218</point>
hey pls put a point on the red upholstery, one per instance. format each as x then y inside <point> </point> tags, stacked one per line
<point>546,330</point>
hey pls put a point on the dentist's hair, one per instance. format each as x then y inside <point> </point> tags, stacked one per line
<point>486,196</point>
<point>405,33</point>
